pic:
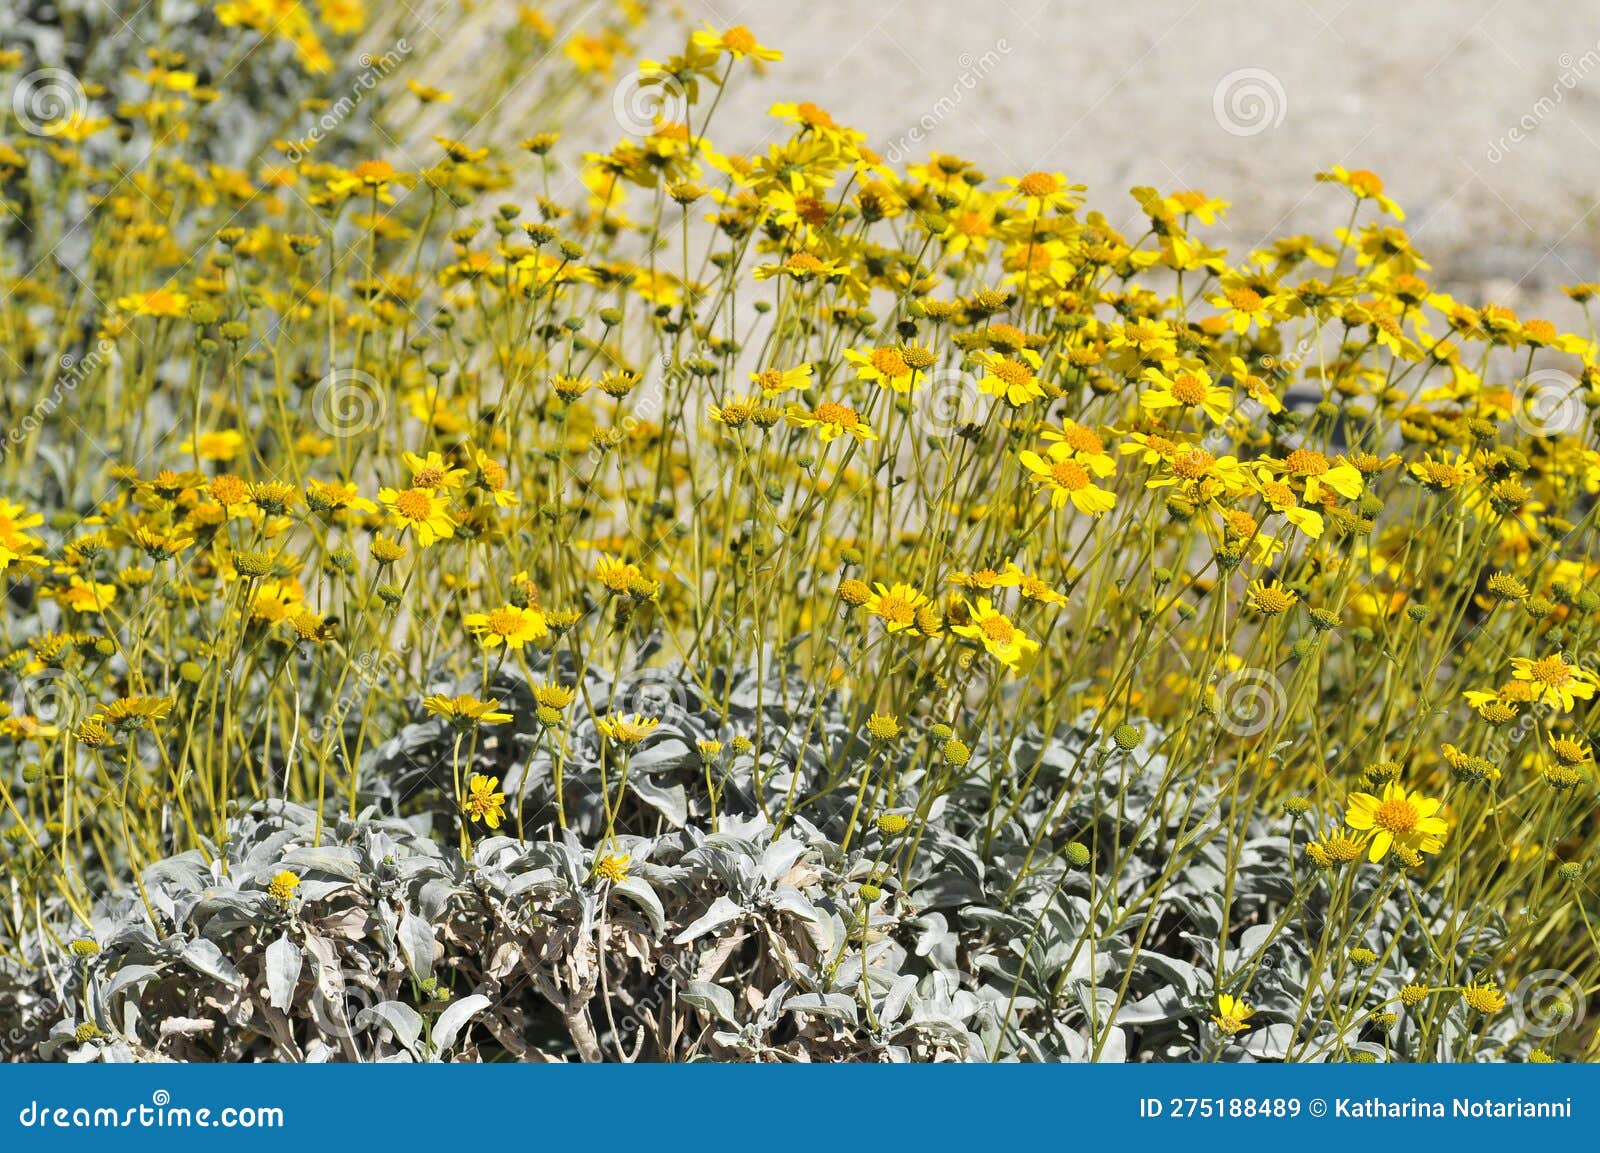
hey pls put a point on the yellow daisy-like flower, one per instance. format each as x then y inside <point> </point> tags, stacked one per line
<point>432,473</point>
<point>1001,639</point>
<point>1043,192</point>
<point>421,511</point>
<point>282,887</point>
<point>483,803</point>
<point>896,606</point>
<point>466,711</point>
<point>612,867</point>
<point>627,731</point>
<point>831,421</point>
<point>886,366</point>
<point>738,42</point>
<point>1187,389</point>
<point>1555,682</point>
<point>1066,475</point>
<point>1014,381</point>
<point>1483,997</point>
<point>1270,598</point>
<point>507,625</point>
<point>1231,1015</point>
<point>1315,472</point>
<point>775,380</point>
<point>1363,185</point>
<point>1407,823</point>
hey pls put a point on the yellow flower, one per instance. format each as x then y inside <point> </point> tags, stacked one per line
<point>466,711</point>
<point>507,625</point>
<point>1404,822</point>
<point>1067,475</point>
<point>161,303</point>
<point>612,867</point>
<point>1013,381</point>
<point>883,726</point>
<point>627,731</point>
<point>432,473</point>
<point>215,446</point>
<point>1364,185</point>
<point>1270,598</point>
<point>1188,389</point>
<point>616,574</point>
<point>283,886</point>
<point>1483,996</point>
<point>896,606</point>
<point>87,596</point>
<point>1043,192</point>
<point>419,510</point>
<point>887,366</point>
<point>831,421</point>
<point>1554,682</point>
<point>738,42</point>
<point>482,802</point>
<point>999,636</point>
<point>1315,472</point>
<point>776,380</point>
<point>1231,1015</point>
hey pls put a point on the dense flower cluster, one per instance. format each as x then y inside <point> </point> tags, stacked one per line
<point>337,441</point>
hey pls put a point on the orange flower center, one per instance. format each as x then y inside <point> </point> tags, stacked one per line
<point>1364,183</point>
<point>1069,474</point>
<point>1194,464</point>
<point>414,504</point>
<point>1038,184</point>
<point>1245,299</point>
<point>1013,373</point>
<point>1080,439</point>
<point>1397,816</point>
<point>739,39</point>
<point>1550,671</point>
<point>1189,389</point>
<point>889,362</point>
<point>972,224</point>
<point>1306,462</point>
<point>813,115</point>
<point>894,609</point>
<point>840,414</point>
<point>505,622</point>
<point>998,629</point>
